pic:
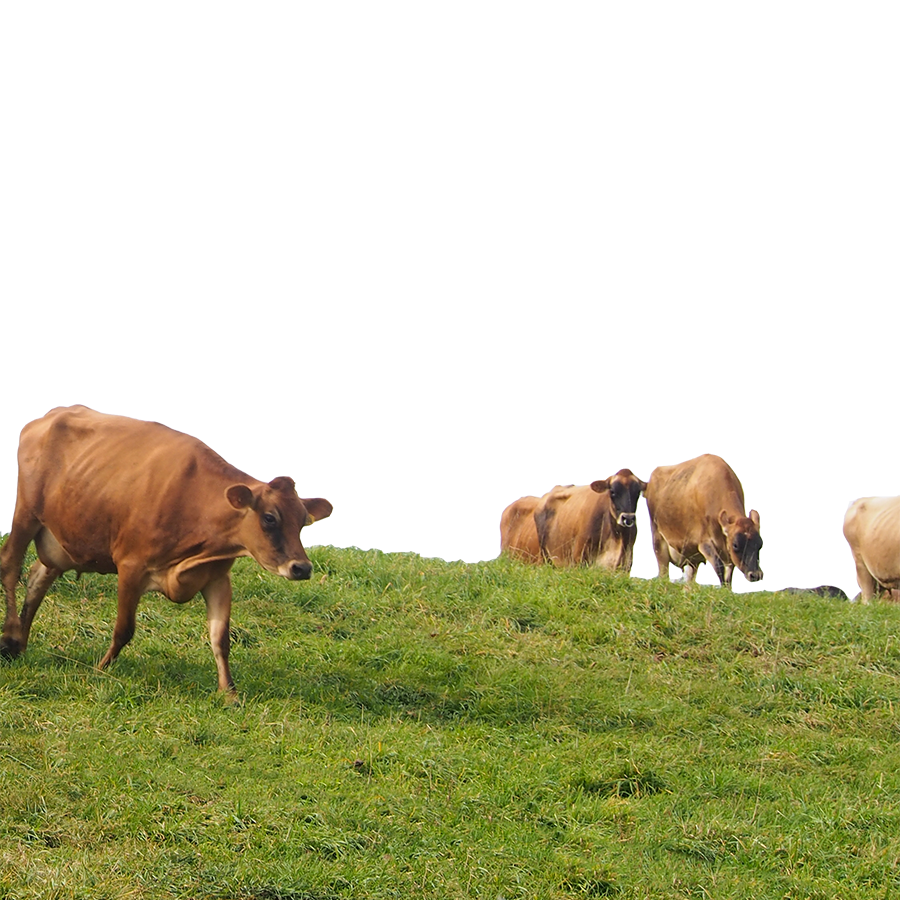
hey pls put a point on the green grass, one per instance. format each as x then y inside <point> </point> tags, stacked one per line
<point>411,727</point>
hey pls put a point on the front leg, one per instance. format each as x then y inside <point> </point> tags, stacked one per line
<point>217,595</point>
<point>723,571</point>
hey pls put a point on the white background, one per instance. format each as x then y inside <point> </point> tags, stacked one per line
<point>454,206</point>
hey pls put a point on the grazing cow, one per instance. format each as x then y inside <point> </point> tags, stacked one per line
<point>697,515</point>
<point>590,524</point>
<point>872,528</point>
<point>518,535</point>
<point>99,493</point>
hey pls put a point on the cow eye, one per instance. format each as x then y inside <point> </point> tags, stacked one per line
<point>269,521</point>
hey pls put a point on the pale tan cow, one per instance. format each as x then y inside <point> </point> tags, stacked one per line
<point>872,529</point>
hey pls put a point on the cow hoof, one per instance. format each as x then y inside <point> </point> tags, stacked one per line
<point>10,648</point>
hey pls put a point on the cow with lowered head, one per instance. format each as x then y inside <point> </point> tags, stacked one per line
<point>99,493</point>
<point>697,515</point>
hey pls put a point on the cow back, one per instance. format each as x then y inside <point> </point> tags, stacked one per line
<point>518,534</point>
<point>102,484</point>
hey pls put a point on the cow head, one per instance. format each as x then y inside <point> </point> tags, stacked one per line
<point>744,542</point>
<point>270,529</point>
<point>624,492</point>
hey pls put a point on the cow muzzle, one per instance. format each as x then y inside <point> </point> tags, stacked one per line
<point>755,575</point>
<point>626,520</point>
<point>295,570</point>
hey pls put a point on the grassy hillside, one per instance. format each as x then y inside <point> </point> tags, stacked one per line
<point>411,727</point>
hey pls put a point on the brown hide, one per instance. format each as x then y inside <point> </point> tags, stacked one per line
<point>697,515</point>
<point>518,535</point>
<point>872,529</point>
<point>590,524</point>
<point>99,493</point>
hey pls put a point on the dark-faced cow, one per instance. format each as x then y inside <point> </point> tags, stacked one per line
<point>872,528</point>
<point>590,524</point>
<point>697,515</point>
<point>99,493</point>
<point>518,534</point>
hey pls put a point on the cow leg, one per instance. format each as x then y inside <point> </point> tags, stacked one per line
<point>661,549</point>
<point>39,580</point>
<point>722,571</point>
<point>11,557</point>
<point>626,560</point>
<point>217,595</point>
<point>690,573</point>
<point>581,551</point>
<point>868,586</point>
<point>126,616</point>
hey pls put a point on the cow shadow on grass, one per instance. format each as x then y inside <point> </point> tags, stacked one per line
<point>48,674</point>
<point>340,689</point>
<point>330,667</point>
<point>374,688</point>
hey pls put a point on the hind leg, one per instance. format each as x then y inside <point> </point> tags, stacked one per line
<point>660,550</point>
<point>23,532</point>
<point>126,614</point>
<point>868,586</point>
<point>39,580</point>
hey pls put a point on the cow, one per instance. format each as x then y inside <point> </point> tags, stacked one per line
<point>109,494</point>
<point>697,515</point>
<point>591,524</point>
<point>518,535</point>
<point>872,529</point>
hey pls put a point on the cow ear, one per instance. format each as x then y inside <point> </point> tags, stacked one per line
<point>725,519</point>
<point>644,485</point>
<point>754,518</point>
<point>239,496</point>
<point>316,508</point>
<point>282,483</point>
<point>601,487</point>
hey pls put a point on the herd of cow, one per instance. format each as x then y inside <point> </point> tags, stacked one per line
<point>696,515</point>
<point>109,494</point>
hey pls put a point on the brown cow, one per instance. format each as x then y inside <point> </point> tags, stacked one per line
<point>100,493</point>
<point>518,535</point>
<point>590,524</point>
<point>872,528</point>
<point>697,515</point>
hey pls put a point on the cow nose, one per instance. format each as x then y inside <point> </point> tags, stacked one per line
<point>300,571</point>
<point>756,575</point>
<point>626,520</point>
